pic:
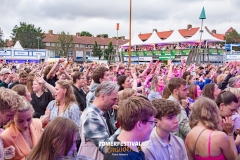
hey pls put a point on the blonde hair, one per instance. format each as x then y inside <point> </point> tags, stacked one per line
<point>235,91</point>
<point>221,77</point>
<point>69,95</point>
<point>153,82</point>
<point>206,111</point>
<point>10,100</point>
<point>126,93</point>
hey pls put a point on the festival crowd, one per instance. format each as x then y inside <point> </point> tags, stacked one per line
<point>156,111</point>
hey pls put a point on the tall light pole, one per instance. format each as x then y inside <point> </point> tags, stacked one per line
<point>38,42</point>
<point>130,35</point>
<point>117,28</point>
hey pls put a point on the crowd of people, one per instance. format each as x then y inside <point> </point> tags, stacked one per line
<point>157,111</point>
<point>178,46</point>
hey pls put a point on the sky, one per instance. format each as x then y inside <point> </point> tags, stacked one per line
<point>101,16</point>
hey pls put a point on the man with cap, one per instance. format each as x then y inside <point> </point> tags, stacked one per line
<point>6,77</point>
<point>4,74</point>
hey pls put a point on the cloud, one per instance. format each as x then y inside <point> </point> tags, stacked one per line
<point>99,17</point>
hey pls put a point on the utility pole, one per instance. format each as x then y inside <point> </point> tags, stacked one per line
<point>202,17</point>
<point>130,36</point>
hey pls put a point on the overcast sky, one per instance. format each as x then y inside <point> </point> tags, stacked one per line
<point>101,16</point>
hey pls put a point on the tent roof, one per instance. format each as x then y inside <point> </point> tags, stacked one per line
<point>153,39</point>
<point>206,36</point>
<point>134,42</point>
<point>174,37</point>
<point>18,46</point>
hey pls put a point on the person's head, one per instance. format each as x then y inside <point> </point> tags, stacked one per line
<point>200,70</point>
<point>227,103</point>
<point>4,73</point>
<point>236,92</point>
<point>23,117</point>
<point>205,111</point>
<point>30,83</point>
<point>136,114</point>
<point>157,81</point>
<point>106,95</point>
<point>100,74</point>
<point>23,78</point>
<point>124,82</point>
<point>121,70</point>
<point>64,92</point>
<point>178,88</point>
<point>185,74</point>
<point>194,91</point>
<point>221,78</point>
<point>10,101</point>
<point>58,139</point>
<point>166,92</point>
<point>22,91</point>
<point>166,117</point>
<point>79,79</point>
<point>190,79</point>
<point>126,93</point>
<point>47,70</point>
<point>127,72</point>
<point>211,91</point>
<point>234,82</point>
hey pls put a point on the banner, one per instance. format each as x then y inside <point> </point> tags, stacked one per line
<point>163,58</point>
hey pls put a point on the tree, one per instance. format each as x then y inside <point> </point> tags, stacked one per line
<point>64,44</point>
<point>108,51</point>
<point>104,35</point>
<point>97,51</point>
<point>28,35</point>
<point>3,43</point>
<point>232,37</point>
<point>86,33</point>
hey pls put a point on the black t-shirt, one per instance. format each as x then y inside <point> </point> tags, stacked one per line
<point>13,84</point>
<point>51,81</point>
<point>40,103</point>
<point>123,153</point>
<point>80,97</point>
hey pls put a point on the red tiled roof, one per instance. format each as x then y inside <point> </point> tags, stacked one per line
<point>9,43</point>
<point>219,36</point>
<point>230,30</point>
<point>188,32</point>
<point>85,39</point>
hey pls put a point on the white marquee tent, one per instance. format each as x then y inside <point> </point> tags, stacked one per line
<point>175,37</point>
<point>153,39</point>
<point>206,36</point>
<point>18,46</point>
<point>134,42</point>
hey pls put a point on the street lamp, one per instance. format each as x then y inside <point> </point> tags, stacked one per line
<point>38,42</point>
<point>130,35</point>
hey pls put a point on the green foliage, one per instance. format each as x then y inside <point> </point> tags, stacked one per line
<point>28,35</point>
<point>104,35</point>
<point>108,50</point>
<point>97,51</point>
<point>64,44</point>
<point>232,37</point>
<point>86,33</point>
<point>2,43</point>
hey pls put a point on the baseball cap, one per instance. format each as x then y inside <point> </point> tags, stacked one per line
<point>4,71</point>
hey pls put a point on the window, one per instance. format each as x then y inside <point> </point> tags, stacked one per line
<point>102,46</point>
<point>70,53</point>
<point>47,44</point>
<point>77,45</point>
<point>88,53</point>
<point>53,44</point>
<point>82,45</point>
